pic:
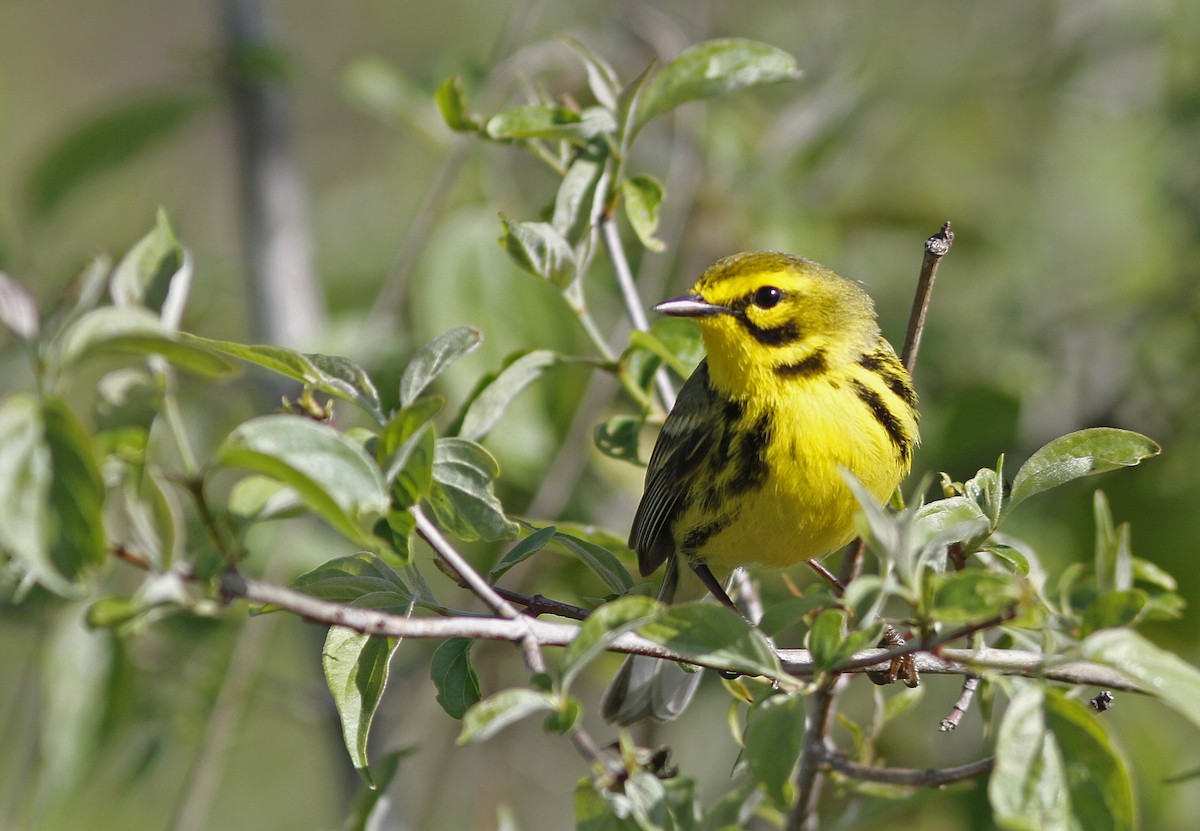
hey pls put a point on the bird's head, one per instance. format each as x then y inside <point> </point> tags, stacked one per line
<point>761,313</point>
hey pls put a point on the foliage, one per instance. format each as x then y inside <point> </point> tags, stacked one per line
<point>91,478</point>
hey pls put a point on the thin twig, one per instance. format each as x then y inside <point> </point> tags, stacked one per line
<point>475,582</point>
<point>935,248</point>
<point>633,302</point>
<point>916,777</point>
<point>933,643</point>
<point>812,755</point>
<point>950,722</point>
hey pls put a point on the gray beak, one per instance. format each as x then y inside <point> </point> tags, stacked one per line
<point>690,305</point>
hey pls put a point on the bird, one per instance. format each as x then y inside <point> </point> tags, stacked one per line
<point>798,388</point>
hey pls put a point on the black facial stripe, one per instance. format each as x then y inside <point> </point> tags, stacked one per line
<point>814,364</point>
<point>781,335</point>
<point>886,419</point>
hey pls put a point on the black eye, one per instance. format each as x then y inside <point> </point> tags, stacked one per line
<point>767,297</point>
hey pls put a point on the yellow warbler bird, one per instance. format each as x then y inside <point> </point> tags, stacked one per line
<point>798,386</point>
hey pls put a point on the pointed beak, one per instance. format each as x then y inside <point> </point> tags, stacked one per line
<point>690,305</point>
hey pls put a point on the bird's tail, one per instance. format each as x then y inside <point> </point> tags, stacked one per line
<point>648,687</point>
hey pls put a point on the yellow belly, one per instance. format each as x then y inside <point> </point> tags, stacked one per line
<point>802,509</point>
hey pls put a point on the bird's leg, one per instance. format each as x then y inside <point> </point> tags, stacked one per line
<point>712,584</point>
<point>902,666</point>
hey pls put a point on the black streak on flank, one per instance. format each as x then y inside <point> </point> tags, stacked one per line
<point>751,467</point>
<point>888,368</point>
<point>699,536</point>
<point>886,419</point>
<point>814,364</point>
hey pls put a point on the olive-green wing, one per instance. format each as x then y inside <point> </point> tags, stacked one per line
<point>691,430</point>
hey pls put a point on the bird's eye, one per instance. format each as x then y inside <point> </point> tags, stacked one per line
<point>767,297</point>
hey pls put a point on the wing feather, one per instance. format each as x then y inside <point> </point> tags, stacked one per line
<point>688,435</point>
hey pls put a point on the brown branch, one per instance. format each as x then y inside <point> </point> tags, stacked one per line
<point>916,777</point>
<point>482,589</point>
<point>950,722</point>
<point>812,757</point>
<point>935,248</point>
<point>912,647</point>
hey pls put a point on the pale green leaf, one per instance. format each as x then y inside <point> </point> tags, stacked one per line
<point>494,713</point>
<point>356,670</point>
<point>1079,454</point>
<point>484,410</point>
<point>432,359</point>
<point>774,733</point>
<point>711,68</point>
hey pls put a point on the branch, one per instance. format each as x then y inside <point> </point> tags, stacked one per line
<point>633,302</point>
<point>935,248</point>
<point>432,535</point>
<point>916,777</point>
<point>812,756</point>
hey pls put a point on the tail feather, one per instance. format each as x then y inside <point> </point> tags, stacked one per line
<point>648,687</point>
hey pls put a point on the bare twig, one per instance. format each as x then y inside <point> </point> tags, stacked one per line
<point>933,643</point>
<point>633,302</point>
<point>950,722</point>
<point>935,248</point>
<point>916,777</point>
<point>812,755</point>
<point>475,582</point>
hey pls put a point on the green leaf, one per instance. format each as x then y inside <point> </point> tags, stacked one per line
<point>1112,610</point>
<point>347,380</point>
<point>372,804</point>
<point>715,67</point>
<point>599,559</point>
<point>540,249</point>
<point>494,713</point>
<point>331,473</point>
<point>604,625</point>
<point>602,79</point>
<point>956,517</point>
<point>18,309</point>
<point>348,579</point>
<point>642,196</point>
<point>1098,773</point>
<point>330,374</point>
<point>143,277</point>
<point>410,469</point>
<point>432,359</point>
<point>26,476</point>
<point>136,331</point>
<point>105,142</point>
<point>596,811</point>
<point>971,595</point>
<point>462,497</point>
<point>451,100</point>
<point>535,121</point>
<point>825,638</point>
<point>76,493</point>
<point>774,733</point>
<point>1028,787</point>
<point>1155,670</point>
<point>577,203</point>
<point>618,437</point>
<point>485,408</point>
<point>455,678</point>
<point>522,551</point>
<point>356,670</point>
<point>1079,454</point>
<point>1010,555</point>
<point>713,634</point>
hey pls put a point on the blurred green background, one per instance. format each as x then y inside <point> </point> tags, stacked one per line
<point>1060,137</point>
